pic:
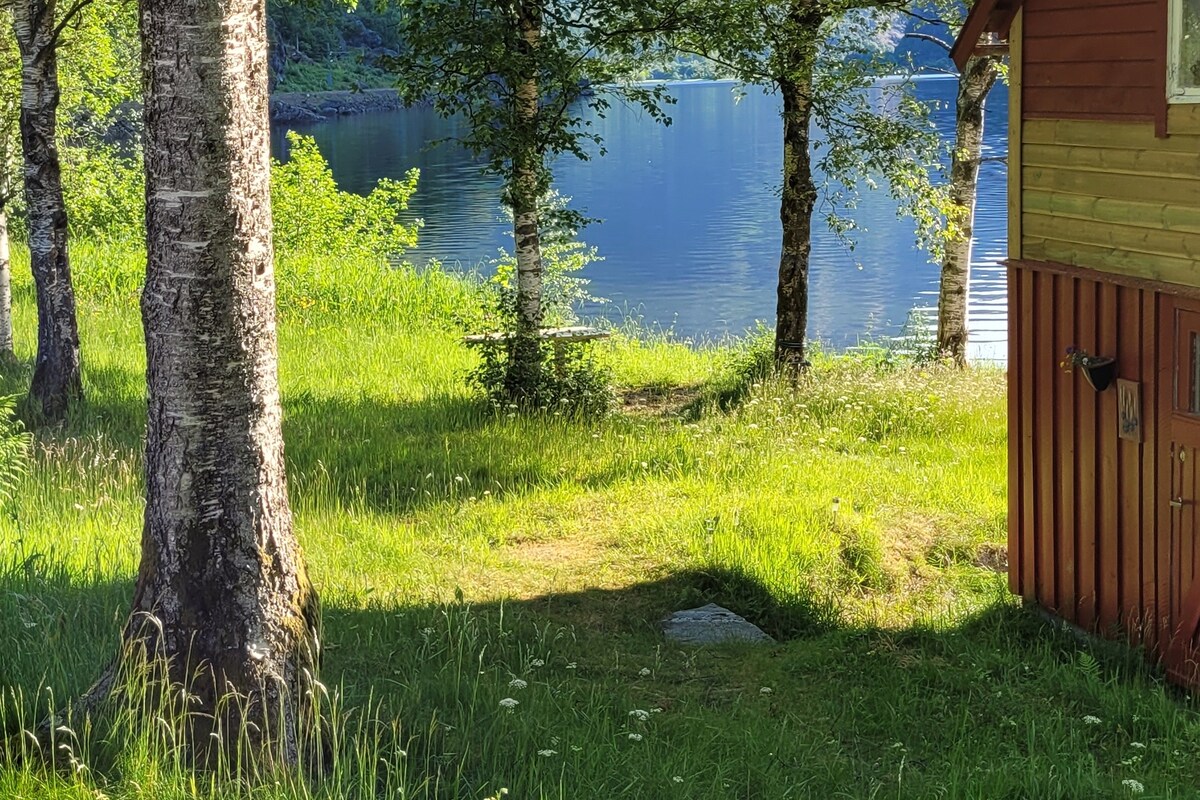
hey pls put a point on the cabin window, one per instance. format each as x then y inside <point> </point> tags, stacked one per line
<point>1183,78</point>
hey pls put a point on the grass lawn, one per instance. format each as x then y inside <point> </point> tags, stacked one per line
<point>466,556</point>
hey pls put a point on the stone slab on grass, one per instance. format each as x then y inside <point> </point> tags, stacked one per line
<point>712,624</point>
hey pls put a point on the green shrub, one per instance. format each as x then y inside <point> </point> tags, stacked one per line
<point>570,380</point>
<point>313,215</point>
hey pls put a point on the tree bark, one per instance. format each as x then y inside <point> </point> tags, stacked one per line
<point>973,86</point>
<point>6,329</point>
<point>56,375</point>
<point>222,592</point>
<point>526,356</point>
<point>795,213</point>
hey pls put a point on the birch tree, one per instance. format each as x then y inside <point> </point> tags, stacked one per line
<point>38,25</point>
<point>10,147</point>
<point>817,56</point>
<point>522,74</point>
<point>975,82</point>
<point>222,596</point>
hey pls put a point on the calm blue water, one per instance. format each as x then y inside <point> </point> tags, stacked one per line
<point>690,230</point>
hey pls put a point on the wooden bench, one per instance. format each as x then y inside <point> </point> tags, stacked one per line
<point>558,337</point>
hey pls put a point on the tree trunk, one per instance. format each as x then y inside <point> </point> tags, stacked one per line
<point>526,355</point>
<point>973,87</point>
<point>795,214</point>
<point>56,375</point>
<point>6,329</point>
<point>221,591</point>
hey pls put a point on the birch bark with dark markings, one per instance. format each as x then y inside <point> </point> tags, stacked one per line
<point>527,244</point>
<point>221,573</point>
<point>56,375</point>
<point>6,330</point>
<point>973,87</point>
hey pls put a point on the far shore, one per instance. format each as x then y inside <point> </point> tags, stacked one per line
<point>309,107</point>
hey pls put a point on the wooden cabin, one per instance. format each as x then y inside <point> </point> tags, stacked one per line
<point>1104,258</point>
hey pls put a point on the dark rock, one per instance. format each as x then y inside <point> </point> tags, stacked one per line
<point>712,624</point>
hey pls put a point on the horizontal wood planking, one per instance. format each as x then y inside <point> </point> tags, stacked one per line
<point>1142,240</point>
<point>1111,196</point>
<point>1093,60</point>
<point>1081,133</point>
<point>1083,502</point>
<point>1183,119</point>
<point>1118,262</point>
<point>1159,216</point>
<point>1148,161</point>
<point>1049,22</point>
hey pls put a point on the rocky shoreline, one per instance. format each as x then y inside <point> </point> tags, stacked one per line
<point>308,107</point>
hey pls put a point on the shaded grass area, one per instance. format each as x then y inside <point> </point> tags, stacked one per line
<point>460,551</point>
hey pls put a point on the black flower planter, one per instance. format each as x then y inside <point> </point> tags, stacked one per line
<point>1100,373</point>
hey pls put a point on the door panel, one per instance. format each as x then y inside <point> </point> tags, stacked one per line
<point>1183,443</point>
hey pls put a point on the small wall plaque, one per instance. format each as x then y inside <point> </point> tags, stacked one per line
<point>1129,410</point>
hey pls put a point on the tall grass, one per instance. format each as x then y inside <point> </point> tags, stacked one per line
<point>466,557</point>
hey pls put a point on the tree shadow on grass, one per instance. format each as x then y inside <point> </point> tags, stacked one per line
<point>387,455</point>
<point>840,698</point>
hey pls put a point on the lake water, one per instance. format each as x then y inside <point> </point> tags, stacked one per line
<point>690,216</point>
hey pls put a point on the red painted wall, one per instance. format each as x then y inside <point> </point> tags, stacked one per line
<point>1094,59</point>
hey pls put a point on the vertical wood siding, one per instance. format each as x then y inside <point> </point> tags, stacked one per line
<point>1084,503</point>
<point>1093,59</point>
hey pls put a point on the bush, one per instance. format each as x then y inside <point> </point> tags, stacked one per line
<point>569,380</point>
<point>313,215</point>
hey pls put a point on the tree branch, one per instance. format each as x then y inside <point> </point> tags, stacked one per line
<point>925,37</point>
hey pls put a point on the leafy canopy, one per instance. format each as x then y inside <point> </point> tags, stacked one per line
<point>469,58</point>
<point>868,126</point>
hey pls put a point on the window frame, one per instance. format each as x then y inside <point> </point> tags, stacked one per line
<point>1177,93</point>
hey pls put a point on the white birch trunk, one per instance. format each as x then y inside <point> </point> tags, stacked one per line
<point>973,87</point>
<point>6,328</point>
<point>525,355</point>
<point>221,574</point>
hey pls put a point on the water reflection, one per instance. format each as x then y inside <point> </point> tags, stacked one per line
<point>690,230</point>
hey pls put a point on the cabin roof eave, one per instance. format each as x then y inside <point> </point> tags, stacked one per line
<point>985,17</point>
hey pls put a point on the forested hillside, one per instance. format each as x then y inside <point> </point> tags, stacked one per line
<point>327,45</point>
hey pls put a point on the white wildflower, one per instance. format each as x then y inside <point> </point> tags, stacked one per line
<point>547,753</point>
<point>636,737</point>
<point>677,779</point>
<point>509,703</point>
<point>1134,787</point>
<point>1091,720</point>
<point>766,690</point>
<point>537,662</point>
<point>640,715</point>
<point>572,665</point>
<point>656,710</point>
<point>644,671</point>
<point>1138,745</point>
<point>517,683</point>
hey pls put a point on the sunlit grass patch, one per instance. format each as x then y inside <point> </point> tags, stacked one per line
<point>468,556</point>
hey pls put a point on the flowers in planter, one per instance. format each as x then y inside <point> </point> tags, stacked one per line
<point>1100,371</point>
<point>1078,357</point>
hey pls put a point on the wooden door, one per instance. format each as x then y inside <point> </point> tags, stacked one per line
<point>1182,433</point>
